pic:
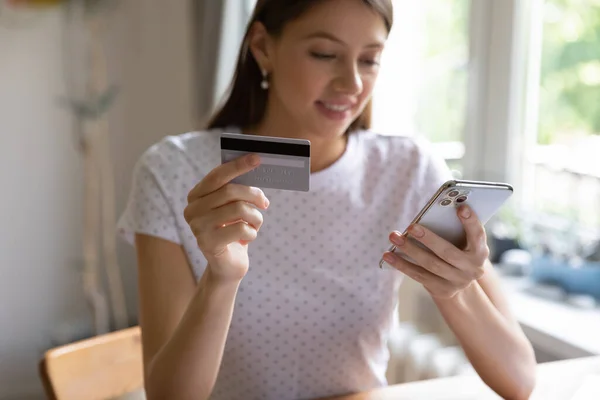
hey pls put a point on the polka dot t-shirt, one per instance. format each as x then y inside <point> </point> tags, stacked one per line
<point>313,314</point>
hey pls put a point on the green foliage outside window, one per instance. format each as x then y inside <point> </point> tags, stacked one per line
<point>442,104</point>
<point>570,73</point>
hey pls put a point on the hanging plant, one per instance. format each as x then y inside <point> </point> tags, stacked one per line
<point>90,102</point>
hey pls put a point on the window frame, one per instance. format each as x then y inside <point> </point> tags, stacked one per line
<point>503,74</point>
<point>494,139</point>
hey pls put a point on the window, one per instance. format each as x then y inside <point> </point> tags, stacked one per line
<point>508,90</point>
<point>423,83</point>
<point>250,6</point>
<point>563,166</point>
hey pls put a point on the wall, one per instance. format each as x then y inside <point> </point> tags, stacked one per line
<point>40,169</point>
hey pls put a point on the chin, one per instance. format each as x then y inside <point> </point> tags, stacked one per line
<point>329,132</point>
<point>329,129</point>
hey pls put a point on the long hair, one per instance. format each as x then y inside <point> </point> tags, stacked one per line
<point>245,101</point>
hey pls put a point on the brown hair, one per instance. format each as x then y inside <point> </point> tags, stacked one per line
<point>245,102</point>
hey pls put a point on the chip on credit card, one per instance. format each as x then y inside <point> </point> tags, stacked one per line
<point>285,163</point>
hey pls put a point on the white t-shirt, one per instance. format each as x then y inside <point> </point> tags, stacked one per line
<point>313,315</point>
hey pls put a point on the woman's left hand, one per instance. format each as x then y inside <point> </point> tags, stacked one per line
<point>449,269</point>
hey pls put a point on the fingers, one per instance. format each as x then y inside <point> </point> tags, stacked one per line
<point>471,260</point>
<point>220,213</point>
<point>229,193</point>
<point>234,212</point>
<point>228,214</point>
<point>474,230</point>
<point>435,285</point>
<point>235,222</point>
<point>439,266</point>
<point>417,273</point>
<point>234,192</point>
<point>238,232</point>
<point>440,247</point>
<point>223,174</point>
<point>427,260</point>
<point>476,238</point>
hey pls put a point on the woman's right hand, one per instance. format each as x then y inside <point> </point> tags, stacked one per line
<point>224,219</point>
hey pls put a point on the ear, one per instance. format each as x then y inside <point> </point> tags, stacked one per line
<point>260,45</point>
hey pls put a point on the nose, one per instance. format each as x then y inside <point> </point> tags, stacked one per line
<point>349,81</point>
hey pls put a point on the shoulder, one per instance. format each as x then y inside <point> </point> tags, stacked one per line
<point>410,159</point>
<point>390,148</point>
<point>196,150</point>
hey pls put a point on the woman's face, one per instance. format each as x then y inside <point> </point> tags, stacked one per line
<point>323,67</point>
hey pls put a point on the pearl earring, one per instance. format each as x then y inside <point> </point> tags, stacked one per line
<point>265,83</point>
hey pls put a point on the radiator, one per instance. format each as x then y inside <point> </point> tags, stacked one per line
<point>422,345</point>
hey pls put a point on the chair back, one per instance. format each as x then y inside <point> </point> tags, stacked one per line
<point>99,368</point>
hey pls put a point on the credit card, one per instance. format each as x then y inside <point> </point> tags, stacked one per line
<point>285,163</point>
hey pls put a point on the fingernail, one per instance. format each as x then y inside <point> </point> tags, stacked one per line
<point>253,160</point>
<point>417,231</point>
<point>267,202</point>
<point>397,239</point>
<point>465,212</point>
<point>388,258</point>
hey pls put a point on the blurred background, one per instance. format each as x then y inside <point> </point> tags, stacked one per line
<point>506,90</point>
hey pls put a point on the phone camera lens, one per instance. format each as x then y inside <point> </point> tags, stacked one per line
<point>446,202</point>
<point>453,193</point>
<point>461,199</point>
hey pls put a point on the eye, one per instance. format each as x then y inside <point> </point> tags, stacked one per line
<point>322,56</point>
<point>369,62</point>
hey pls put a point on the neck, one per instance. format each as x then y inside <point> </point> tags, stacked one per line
<point>324,151</point>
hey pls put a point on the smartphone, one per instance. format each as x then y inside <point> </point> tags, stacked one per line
<point>439,215</point>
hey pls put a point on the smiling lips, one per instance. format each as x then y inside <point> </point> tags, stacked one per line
<point>336,111</point>
<point>337,107</point>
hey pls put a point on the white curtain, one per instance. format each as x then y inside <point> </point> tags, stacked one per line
<point>218,32</point>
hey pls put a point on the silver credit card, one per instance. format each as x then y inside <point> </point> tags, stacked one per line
<point>285,163</point>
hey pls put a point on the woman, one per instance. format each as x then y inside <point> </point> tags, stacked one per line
<point>271,294</point>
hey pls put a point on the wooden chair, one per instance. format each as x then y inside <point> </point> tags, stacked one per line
<point>99,368</point>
